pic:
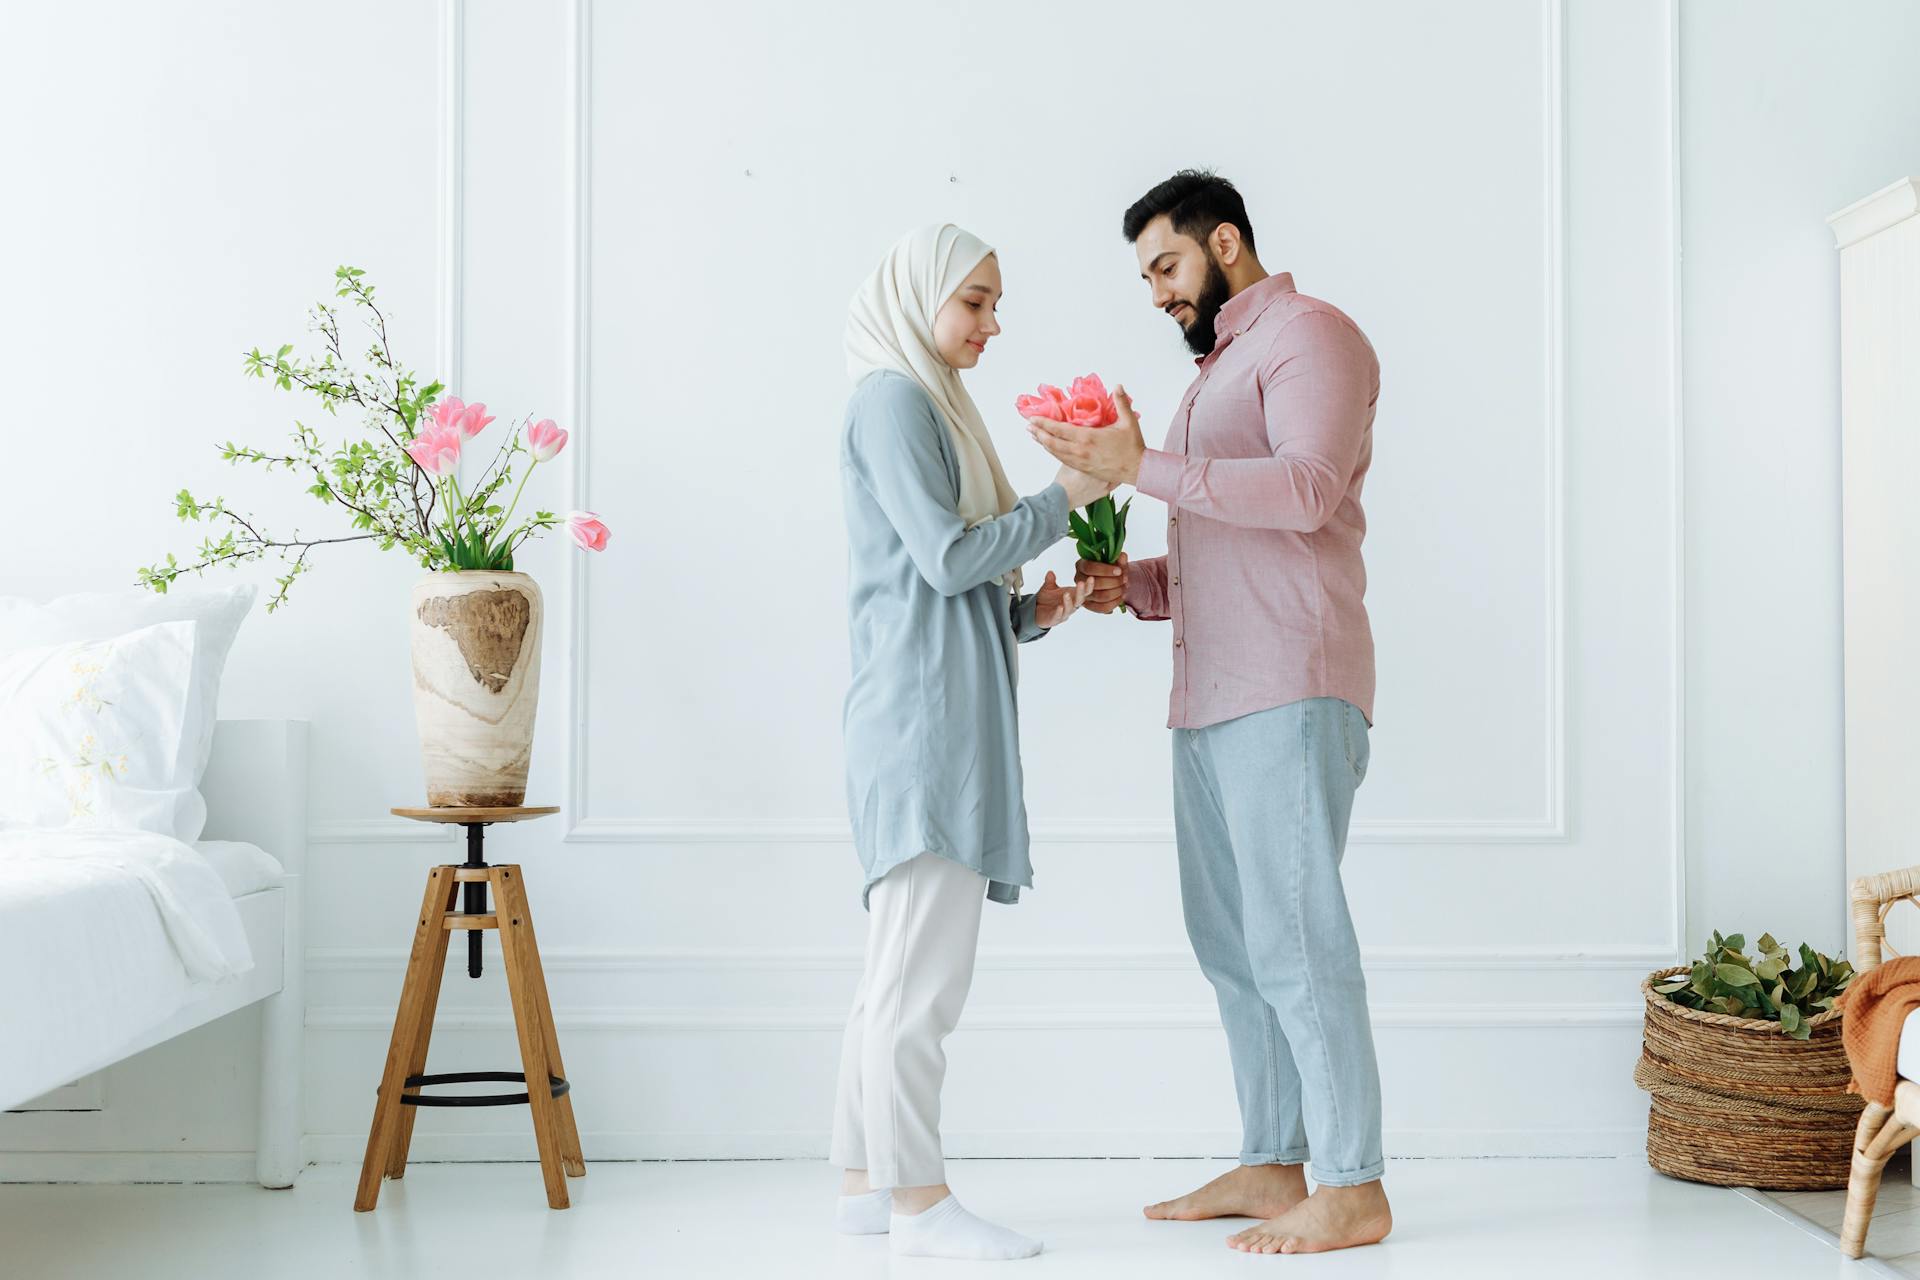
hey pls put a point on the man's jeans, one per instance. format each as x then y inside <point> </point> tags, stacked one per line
<point>1261,805</point>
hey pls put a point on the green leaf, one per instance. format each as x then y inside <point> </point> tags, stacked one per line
<point>1101,513</point>
<point>1735,975</point>
<point>1790,1018</point>
<point>1766,943</point>
<point>1736,942</point>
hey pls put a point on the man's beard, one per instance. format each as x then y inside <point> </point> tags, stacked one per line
<point>1213,296</point>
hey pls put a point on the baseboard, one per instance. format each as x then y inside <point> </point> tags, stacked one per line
<point>349,1148</point>
<point>106,1167</point>
<point>127,1166</point>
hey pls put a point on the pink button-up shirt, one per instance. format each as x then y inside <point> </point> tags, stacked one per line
<point>1261,474</point>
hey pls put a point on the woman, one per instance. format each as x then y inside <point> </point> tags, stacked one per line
<point>936,538</point>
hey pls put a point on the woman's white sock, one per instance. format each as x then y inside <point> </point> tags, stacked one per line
<point>948,1231</point>
<point>864,1215</point>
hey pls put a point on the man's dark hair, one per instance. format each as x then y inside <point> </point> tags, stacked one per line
<point>1197,200</point>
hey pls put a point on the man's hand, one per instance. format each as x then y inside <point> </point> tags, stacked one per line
<point>1108,583</point>
<point>1054,604</point>
<point>1110,453</point>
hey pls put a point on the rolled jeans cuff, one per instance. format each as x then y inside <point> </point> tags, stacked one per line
<point>1297,1155</point>
<point>1372,1173</point>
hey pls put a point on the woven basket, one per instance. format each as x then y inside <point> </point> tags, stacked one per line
<point>1738,1104</point>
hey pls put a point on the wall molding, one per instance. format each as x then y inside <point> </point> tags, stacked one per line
<point>1556,827</point>
<point>976,1144</point>
<point>682,1019</point>
<point>379,831</point>
<point>1552,828</point>
<point>450,276</point>
<point>640,831</point>
<point>1634,960</point>
<point>580,399</point>
<point>1677,497</point>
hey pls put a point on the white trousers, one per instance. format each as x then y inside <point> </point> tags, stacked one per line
<point>922,932</point>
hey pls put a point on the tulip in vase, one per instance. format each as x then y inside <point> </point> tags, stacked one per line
<point>475,622</point>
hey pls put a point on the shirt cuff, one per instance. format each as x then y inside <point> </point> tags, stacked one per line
<point>1159,475</point>
<point>1026,619</point>
<point>1138,596</point>
<point>1054,496</point>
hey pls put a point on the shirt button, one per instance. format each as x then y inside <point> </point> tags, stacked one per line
<point>1176,582</point>
<point>1173,519</point>
<point>1178,643</point>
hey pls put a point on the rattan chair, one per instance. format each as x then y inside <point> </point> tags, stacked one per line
<point>1883,1130</point>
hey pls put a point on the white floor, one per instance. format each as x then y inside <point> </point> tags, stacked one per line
<point>687,1220</point>
<point>1894,1234</point>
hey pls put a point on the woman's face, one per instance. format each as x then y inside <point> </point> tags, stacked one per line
<point>966,321</point>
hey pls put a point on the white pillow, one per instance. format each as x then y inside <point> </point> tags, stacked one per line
<point>93,734</point>
<point>101,615</point>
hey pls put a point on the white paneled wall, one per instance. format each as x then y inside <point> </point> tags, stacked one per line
<point>713,182</point>
<point>644,221</point>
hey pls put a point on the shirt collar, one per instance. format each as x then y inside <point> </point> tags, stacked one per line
<point>1243,308</point>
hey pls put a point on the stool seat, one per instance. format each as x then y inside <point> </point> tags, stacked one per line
<point>466,815</point>
<point>399,1097</point>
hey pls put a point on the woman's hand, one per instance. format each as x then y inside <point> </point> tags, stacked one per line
<point>1081,488</point>
<point>1054,604</point>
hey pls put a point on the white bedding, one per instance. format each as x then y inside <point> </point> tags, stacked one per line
<point>103,936</point>
<point>243,868</point>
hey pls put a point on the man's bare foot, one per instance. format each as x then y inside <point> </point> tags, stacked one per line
<point>1245,1191</point>
<point>1330,1218</point>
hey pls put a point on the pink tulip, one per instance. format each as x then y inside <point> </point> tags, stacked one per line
<point>446,413</point>
<point>1052,403</point>
<point>587,530</point>
<point>1089,404</point>
<point>545,440</point>
<point>436,451</point>
<point>454,414</point>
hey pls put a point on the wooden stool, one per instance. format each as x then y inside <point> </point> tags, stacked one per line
<point>549,1099</point>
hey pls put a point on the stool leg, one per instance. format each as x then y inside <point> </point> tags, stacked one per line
<point>417,1059</point>
<point>523,984</point>
<point>429,953</point>
<point>569,1133</point>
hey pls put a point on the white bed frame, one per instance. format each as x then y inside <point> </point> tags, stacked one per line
<point>256,791</point>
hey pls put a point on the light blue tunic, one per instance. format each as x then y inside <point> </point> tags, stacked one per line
<point>932,736</point>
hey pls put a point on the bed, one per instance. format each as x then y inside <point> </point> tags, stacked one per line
<point>112,942</point>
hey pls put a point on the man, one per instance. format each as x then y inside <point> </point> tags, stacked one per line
<point>1272,698</point>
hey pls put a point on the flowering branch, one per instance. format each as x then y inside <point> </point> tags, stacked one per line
<point>389,479</point>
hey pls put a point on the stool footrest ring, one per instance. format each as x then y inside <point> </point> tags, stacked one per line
<point>555,1083</point>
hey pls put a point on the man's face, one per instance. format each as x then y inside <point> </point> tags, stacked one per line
<point>1186,280</point>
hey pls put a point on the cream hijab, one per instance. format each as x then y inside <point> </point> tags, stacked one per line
<point>890,326</point>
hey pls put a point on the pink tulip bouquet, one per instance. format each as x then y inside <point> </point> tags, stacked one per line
<point>399,481</point>
<point>1102,534</point>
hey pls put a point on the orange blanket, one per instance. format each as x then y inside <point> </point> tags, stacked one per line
<point>1877,1003</point>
